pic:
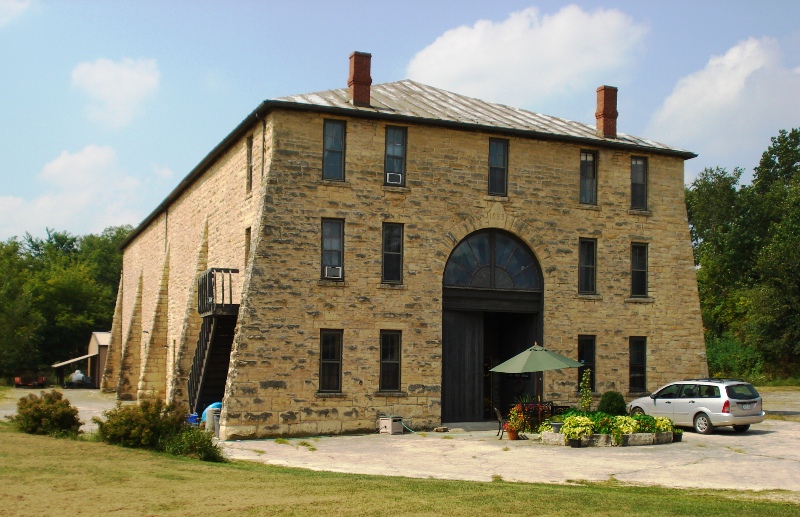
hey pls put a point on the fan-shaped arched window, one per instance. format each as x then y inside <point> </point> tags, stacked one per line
<point>492,259</point>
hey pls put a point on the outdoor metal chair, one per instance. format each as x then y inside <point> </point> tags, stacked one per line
<point>501,424</point>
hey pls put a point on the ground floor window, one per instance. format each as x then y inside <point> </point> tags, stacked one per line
<point>390,360</point>
<point>586,356</point>
<point>638,364</point>
<point>330,360</point>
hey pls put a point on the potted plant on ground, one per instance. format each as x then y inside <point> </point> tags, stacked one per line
<point>677,435</point>
<point>575,428</point>
<point>516,422</point>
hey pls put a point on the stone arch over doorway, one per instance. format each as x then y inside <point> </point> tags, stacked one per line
<point>492,292</point>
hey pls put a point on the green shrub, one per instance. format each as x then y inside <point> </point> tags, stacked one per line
<point>576,427</point>
<point>49,414</point>
<point>148,425</point>
<point>194,443</point>
<point>603,422</point>
<point>613,403</point>
<point>586,390</point>
<point>647,424</point>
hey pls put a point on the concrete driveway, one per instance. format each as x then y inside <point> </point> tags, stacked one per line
<point>765,458</point>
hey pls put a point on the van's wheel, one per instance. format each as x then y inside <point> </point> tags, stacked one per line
<point>702,424</point>
<point>637,411</point>
<point>741,428</point>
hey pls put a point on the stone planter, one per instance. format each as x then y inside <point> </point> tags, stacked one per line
<point>662,438</point>
<point>606,440</point>
<point>600,440</point>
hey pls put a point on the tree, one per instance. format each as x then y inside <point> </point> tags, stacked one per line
<point>745,242</point>
<point>20,324</point>
<point>54,292</point>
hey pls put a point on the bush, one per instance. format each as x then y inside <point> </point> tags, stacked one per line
<point>647,424</point>
<point>159,427</point>
<point>613,403</point>
<point>194,443</point>
<point>148,425</point>
<point>49,414</point>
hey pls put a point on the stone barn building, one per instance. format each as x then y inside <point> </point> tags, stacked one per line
<point>376,249</point>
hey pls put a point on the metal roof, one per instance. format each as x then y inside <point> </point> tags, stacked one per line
<point>413,102</point>
<point>425,103</point>
<point>73,360</point>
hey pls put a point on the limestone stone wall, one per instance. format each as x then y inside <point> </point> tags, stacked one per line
<point>274,375</point>
<point>157,308</point>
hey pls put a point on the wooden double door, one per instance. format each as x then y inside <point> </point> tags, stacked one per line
<point>473,342</point>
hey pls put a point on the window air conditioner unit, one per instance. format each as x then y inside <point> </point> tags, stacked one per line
<point>394,178</point>
<point>333,272</point>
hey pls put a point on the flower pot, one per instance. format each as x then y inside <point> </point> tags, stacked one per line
<point>575,443</point>
<point>512,434</point>
<point>556,426</point>
<point>677,437</point>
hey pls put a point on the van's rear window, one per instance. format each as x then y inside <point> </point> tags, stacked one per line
<point>741,391</point>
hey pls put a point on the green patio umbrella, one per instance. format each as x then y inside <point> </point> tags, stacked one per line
<point>535,359</point>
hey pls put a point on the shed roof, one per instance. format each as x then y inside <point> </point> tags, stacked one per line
<point>412,102</point>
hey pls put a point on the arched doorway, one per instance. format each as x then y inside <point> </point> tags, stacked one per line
<point>492,310</point>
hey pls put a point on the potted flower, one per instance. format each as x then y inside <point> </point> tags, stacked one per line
<point>556,422</point>
<point>516,422</point>
<point>575,428</point>
<point>677,435</point>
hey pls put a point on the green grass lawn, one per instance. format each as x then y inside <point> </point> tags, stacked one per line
<point>45,476</point>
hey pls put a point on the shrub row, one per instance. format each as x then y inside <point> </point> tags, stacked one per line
<point>580,423</point>
<point>150,425</point>
<point>157,426</point>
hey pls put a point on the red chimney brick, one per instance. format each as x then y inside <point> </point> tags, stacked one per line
<point>360,79</point>
<point>606,113</point>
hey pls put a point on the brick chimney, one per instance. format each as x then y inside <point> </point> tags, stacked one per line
<point>606,113</point>
<point>360,80</point>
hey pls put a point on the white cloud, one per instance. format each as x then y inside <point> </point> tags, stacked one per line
<point>731,108</point>
<point>10,9</point>
<point>81,192</point>
<point>116,89</point>
<point>162,172</point>
<point>528,59</point>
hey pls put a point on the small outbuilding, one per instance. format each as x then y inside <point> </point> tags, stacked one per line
<point>95,360</point>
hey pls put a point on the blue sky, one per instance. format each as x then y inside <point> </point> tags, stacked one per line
<point>107,105</point>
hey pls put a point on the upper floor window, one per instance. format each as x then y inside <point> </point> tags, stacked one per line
<point>638,364</point>
<point>638,269</point>
<point>586,357</point>
<point>390,360</point>
<point>333,152</point>
<point>392,253</point>
<point>639,183</point>
<point>249,172</point>
<point>587,259</point>
<point>247,237</point>
<point>333,249</point>
<point>395,159</point>
<point>588,178</point>
<point>498,167</point>
<point>330,360</point>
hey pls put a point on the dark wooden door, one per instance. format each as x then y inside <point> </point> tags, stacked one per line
<point>462,366</point>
